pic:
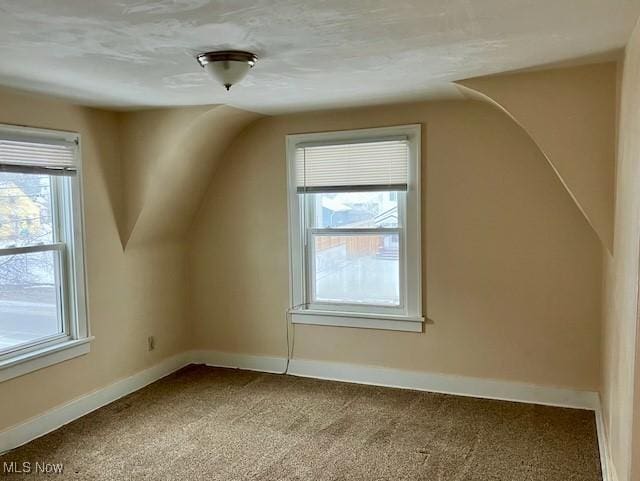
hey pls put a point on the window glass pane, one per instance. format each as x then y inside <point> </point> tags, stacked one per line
<point>357,269</point>
<point>29,307</point>
<point>355,209</point>
<point>25,210</point>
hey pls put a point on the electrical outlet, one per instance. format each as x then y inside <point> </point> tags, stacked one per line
<point>151,343</point>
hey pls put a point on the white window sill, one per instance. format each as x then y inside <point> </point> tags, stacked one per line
<point>27,362</point>
<point>360,320</point>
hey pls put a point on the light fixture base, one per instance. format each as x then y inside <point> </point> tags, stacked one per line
<point>227,55</point>
<point>227,66</point>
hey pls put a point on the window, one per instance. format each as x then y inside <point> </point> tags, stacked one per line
<point>42,294</point>
<point>354,222</point>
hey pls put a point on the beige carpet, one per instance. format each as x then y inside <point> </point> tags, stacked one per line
<point>220,424</point>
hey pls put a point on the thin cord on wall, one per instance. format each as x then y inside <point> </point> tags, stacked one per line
<point>291,339</point>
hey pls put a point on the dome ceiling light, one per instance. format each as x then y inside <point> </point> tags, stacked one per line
<point>227,66</point>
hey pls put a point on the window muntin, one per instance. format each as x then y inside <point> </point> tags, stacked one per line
<point>42,299</point>
<point>355,234</point>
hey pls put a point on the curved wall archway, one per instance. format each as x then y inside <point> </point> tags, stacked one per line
<point>570,114</point>
<point>170,156</point>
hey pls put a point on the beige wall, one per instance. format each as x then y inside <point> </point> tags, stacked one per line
<point>620,327</point>
<point>131,295</point>
<point>512,272</point>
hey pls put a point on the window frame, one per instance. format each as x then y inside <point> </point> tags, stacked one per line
<point>68,241</point>
<point>405,317</point>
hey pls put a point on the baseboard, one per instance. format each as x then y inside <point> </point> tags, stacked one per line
<point>444,383</point>
<point>403,379</point>
<point>59,416</point>
<point>608,469</point>
<point>276,365</point>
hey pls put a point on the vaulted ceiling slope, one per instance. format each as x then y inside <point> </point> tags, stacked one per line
<point>170,156</point>
<point>139,53</point>
<point>570,113</point>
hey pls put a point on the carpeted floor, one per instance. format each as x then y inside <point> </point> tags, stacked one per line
<point>221,424</point>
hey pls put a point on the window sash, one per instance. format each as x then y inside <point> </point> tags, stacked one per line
<point>61,278</point>
<point>10,251</point>
<point>310,258</point>
<point>40,343</point>
<point>62,233</point>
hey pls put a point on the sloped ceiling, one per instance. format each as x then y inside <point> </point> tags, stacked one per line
<point>169,156</point>
<point>570,114</point>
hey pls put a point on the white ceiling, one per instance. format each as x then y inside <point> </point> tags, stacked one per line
<point>313,53</point>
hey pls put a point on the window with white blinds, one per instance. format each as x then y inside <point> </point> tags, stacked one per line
<point>364,165</point>
<point>43,315</point>
<point>26,151</point>
<point>354,215</point>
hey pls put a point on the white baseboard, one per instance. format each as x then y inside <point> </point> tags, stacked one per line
<point>361,374</point>
<point>608,469</point>
<point>276,365</point>
<point>444,383</point>
<point>59,416</point>
<point>398,378</point>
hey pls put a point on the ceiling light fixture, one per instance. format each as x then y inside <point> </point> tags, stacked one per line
<point>227,66</point>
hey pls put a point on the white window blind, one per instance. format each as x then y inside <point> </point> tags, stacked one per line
<point>353,166</point>
<point>36,153</point>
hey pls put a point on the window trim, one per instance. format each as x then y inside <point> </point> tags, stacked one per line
<point>69,197</point>
<point>409,318</point>
<point>45,356</point>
